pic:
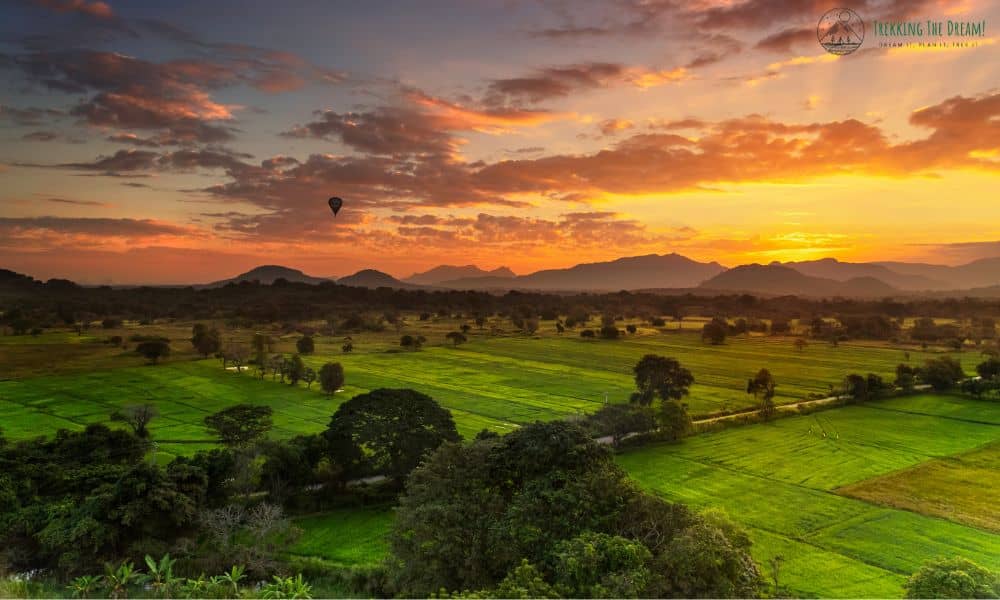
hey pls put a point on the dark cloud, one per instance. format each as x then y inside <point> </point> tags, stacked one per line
<point>29,116</point>
<point>553,82</point>
<point>783,41</point>
<point>746,149</point>
<point>416,124</point>
<point>144,162</point>
<point>557,82</point>
<point>77,202</point>
<point>605,229</point>
<point>171,97</point>
<point>632,18</point>
<point>386,130</point>
<point>687,123</point>
<point>40,136</point>
<point>134,140</point>
<point>103,227</point>
<point>610,127</point>
<point>122,161</point>
<point>93,8</point>
<point>183,160</point>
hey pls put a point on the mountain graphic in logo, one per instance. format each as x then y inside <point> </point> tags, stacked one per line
<point>840,31</point>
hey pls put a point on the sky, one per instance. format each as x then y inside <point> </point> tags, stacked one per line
<point>184,142</point>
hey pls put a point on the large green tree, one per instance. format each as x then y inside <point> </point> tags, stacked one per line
<point>762,387</point>
<point>205,340</point>
<point>660,376</point>
<point>618,420</point>
<point>941,373</point>
<point>240,425</point>
<point>331,377</point>
<point>388,432</point>
<point>544,509</point>
<point>153,350</point>
<point>709,559</point>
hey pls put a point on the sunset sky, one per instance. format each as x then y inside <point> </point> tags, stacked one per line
<point>179,142</point>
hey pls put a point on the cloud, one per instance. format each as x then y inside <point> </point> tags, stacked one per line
<point>78,202</point>
<point>173,98</point>
<point>559,82</point>
<point>134,140</point>
<point>408,175</point>
<point>553,82</point>
<point>581,229</point>
<point>122,161</point>
<point>783,41</point>
<point>31,116</point>
<point>760,14</point>
<point>40,136</point>
<point>960,252</point>
<point>385,130</point>
<point>133,162</point>
<point>418,124</point>
<point>754,148</point>
<point>527,150</point>
<point>94,8</point>
<point>610,127</point>
<point>170,97</point>
<point>99,227</point>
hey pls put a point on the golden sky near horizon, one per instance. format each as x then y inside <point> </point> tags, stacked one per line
<point>175,143</point>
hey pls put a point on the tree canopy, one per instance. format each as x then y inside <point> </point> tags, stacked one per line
<point>388,432</point>
<point>660,376</point>
<point>240,425</point>
<point>545,510</point>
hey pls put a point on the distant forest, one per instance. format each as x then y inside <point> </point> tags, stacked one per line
<point>28,303</point>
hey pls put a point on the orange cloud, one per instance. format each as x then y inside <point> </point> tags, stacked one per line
<point>94,9</point>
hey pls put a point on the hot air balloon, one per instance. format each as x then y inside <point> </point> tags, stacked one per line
<point>335,204</point>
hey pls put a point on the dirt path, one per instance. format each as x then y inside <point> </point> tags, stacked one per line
<point>793,407</point>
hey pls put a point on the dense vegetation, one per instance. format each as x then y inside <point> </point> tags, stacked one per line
<point>156,467</point>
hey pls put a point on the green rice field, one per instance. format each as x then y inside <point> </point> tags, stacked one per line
<point>494,382</point>
<point>832,492</point>
<point>781,481</point>
<point>346,537</point>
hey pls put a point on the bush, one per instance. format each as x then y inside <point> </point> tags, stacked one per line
<point>953,578</point>
<point>609,332</point>
<point>305,345</point>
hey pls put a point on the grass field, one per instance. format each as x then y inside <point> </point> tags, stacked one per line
<point>781,481</point>
<point>65,380</point>
<point>347,537</point>
<point>788,481</point>
<point>961,488</point>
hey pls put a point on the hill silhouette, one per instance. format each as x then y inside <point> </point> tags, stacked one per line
<point>266,274</point>
<point>370,278</point>
<point>444,273</point>
<point>778,280</point>
<point>630,273</point>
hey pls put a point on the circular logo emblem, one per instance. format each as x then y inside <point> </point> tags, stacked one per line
<point>840,31</point>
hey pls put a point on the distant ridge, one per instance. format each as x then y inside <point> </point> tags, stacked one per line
<point>370,278</point>
<point>630,273</point>
<point>984,272</point>
<point>831,268</point>
<point>266,274</point>
<point>444,273</point>
<point>779,280</point>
